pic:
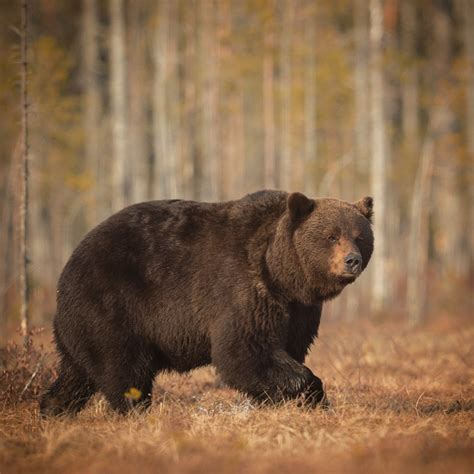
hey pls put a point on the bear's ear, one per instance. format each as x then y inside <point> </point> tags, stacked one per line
<point>299,206</point>
<point>365,207</point>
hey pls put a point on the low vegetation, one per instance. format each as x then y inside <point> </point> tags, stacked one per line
<point>402,401</point>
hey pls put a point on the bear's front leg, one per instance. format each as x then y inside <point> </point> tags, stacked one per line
<point>265,374</point>
<point>285,379</point>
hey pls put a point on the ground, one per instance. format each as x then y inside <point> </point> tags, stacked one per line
<point>402,402</point>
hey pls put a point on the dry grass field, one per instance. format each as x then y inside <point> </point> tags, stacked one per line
<point>402,401</point>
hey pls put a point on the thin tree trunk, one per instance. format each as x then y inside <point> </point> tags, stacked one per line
<point>237,132</point>
<point>224,54</point>
<point>378,168</point>
<point>361,155</point>
<point>268,109</point>
<point>391,114</point>
<point>208,95</point>
<point>23,211</point>
<point>445,191</point>
<point>118,105</point>
<point>310,103</point>
<point>192,169</point>
<point>410,120</point>
<point>238,184</point>
<point>449,244</point>
<point>160,122</point>
<point>418,243</point>
<point>362,125</point>
<point>139,92</point>
<point>174,101</point>
<point>285,179</point>
<point>92,107</point>
<point>469,45</point>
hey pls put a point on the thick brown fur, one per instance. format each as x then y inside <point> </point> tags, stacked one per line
<point>174,285</point>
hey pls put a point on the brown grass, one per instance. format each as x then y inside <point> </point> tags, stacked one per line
<point>402,401</point>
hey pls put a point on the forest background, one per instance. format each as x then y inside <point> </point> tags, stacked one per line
<point>213,99</point>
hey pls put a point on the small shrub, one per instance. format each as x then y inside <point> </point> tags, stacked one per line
<point>25,372</point>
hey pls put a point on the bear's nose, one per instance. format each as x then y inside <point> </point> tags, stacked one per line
<point>353,262</point>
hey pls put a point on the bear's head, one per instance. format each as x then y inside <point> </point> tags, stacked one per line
<point>320,246</point>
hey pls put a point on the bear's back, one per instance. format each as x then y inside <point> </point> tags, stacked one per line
<point>147,242</point>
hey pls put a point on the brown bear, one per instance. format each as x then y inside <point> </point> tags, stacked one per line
<point>175,285</point>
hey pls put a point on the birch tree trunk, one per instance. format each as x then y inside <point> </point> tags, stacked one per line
<point>23,211</point>
<point>92,108</point>
<point>285,171</point>
<point>418,243</point>
<point>410,106</point>
<point>444,187</point>
<point>378,167</point>
<point>269,156</point>
<point>237,138</point>
<point>469,46</point>
<point>174,104</point>
<point>160,124</point>
<point>310,102</point>
<point>225,125</point>
<point>362,130</point>
<point>118,105</point>
<point>449,242</point>
<point>192,167</point>
<point>209,97</point>
<point>362,124</point>
<point>139,92</point>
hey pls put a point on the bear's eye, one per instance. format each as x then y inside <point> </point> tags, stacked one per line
<point>359,238</point>
<point>332,239</point>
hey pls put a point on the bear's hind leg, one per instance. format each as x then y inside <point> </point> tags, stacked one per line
<point>69,392</point>
<point>125,394</point>
<point>127,380</point>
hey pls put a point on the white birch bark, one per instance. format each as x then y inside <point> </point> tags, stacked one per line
<point>174,104</point>
<point>139,92</point>
<point>160,124</point>
<point>226,118</point>
<point>410,119</point>
<point>310,98</point>
<point>92,109</point>
<point>118,104</point>
<point>208,95</point>
<point>269,155</point>
<point>285,171</point>
<point>469,47</point>
<point>361,74</point>
<point>379,154</point>
<point>418,242</point>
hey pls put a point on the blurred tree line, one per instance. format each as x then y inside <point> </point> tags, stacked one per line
<point>212,99</point>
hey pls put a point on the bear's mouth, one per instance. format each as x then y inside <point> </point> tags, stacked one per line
<point>348,277</point>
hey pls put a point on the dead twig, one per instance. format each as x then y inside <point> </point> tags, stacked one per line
<point>33,375</point>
